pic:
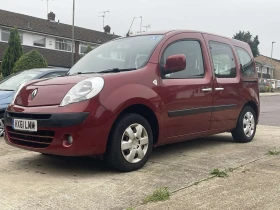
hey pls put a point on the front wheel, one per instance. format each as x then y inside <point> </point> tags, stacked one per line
<point>130,144</point>
<point>246,126</point>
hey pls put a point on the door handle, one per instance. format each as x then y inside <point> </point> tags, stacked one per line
<point>219,89</point>
<point>207,89</point>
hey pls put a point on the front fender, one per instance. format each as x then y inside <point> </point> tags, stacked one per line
<point>119,99</point>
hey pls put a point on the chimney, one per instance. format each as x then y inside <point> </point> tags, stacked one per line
<point>107,29</point>
<point>51,16</point>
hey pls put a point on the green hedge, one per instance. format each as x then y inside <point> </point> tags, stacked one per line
<point>30,60</point>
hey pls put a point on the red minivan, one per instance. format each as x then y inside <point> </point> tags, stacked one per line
<point>134,93</point>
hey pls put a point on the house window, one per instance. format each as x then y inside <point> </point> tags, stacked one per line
<point>83,48</point>
<point>264,70</point>
<point>5,36</point>
<point>39,41</point>
<point>258,69</point>
<point>62,44</point>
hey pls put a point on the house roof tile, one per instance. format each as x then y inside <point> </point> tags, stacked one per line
<point>44,26</point>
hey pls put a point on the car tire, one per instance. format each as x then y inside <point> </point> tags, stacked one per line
<point>130,143</point>
<point>246,126</point>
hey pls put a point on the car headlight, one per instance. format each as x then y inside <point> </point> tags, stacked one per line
<point>17,90</point>
<point>83,90</point>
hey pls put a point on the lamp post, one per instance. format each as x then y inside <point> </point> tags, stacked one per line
<point>73,31</point>
<point>271,71</point>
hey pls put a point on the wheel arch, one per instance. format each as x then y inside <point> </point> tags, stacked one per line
<point>254,106</point>
<point>145,111</point>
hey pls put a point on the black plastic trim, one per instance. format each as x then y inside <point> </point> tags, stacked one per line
<point>2,112</point>
<point>184,112</point>
<point>56,120</point>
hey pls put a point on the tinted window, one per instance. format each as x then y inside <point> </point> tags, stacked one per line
<point>54,74</point>
<point>192,51</point>
<point>223,60</point>
<point>246,62</point>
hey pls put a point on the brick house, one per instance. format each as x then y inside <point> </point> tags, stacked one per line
<point>50,37</point>
<point>263,65</point>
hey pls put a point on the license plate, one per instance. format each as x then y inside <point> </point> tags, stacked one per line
<point>25,125</point>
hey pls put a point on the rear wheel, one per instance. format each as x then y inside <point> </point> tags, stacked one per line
<point>246,126</point>
<point>130,144</point>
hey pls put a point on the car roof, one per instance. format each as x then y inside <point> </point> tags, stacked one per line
<point>176,31</point>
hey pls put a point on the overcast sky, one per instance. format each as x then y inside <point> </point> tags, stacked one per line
<point>224,17</point>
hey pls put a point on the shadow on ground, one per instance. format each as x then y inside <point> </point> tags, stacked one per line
<point>86,166</point>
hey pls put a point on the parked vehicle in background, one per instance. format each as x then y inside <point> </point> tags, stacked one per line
<point>9,84</point>
<point>278,85</point>
<point>131,94</point>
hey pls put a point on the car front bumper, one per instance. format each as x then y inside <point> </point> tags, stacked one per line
<point>89,129</point>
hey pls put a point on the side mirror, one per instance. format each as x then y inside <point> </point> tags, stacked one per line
<point>175,63</point>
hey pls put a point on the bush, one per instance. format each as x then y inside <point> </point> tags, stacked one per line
<point>262,89</point>
<point>267,89</point>
<point>12,54</point>
<point>30,60</point>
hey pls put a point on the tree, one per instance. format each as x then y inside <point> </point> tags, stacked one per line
<point>30,60</point>
<point>89,48</point>
<point>252,41</point>
<point>12,54</point>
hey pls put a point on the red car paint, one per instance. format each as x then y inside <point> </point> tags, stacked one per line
<point>144,87</point>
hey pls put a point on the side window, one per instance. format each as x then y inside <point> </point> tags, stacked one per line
<point>55,74</point>
<point>223,60</point>
<point>246,62</point>
<point>192,51</point>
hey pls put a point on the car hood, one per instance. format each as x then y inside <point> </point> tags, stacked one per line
<point>5,94</point>
<point>49,91</point>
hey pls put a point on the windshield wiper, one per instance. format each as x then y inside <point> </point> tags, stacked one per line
<point>90,72</point>
<point>6,90</point>
<point>116,70</point>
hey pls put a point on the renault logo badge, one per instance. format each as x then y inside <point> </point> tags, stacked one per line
<point>34,93</point>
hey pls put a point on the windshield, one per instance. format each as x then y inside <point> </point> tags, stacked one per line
<point>124,53</point>
<point>13,82</point>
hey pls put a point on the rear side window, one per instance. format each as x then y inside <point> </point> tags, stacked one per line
<point>246,62</point>
<point>192,50</point>
<point>223,60</point>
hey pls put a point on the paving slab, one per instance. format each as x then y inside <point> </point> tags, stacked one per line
<point>255,186</point>
<point>30,180</point>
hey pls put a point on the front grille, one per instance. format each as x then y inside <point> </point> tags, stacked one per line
<point>29,116</point>
<point>39,139</point>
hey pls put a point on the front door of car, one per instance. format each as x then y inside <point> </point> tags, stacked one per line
<point>227,83</point>
<point>186,95</point>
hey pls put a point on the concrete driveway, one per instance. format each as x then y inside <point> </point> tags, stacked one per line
<point>33,181</point>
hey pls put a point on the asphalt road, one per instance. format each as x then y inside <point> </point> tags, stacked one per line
<point>270,110</point>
